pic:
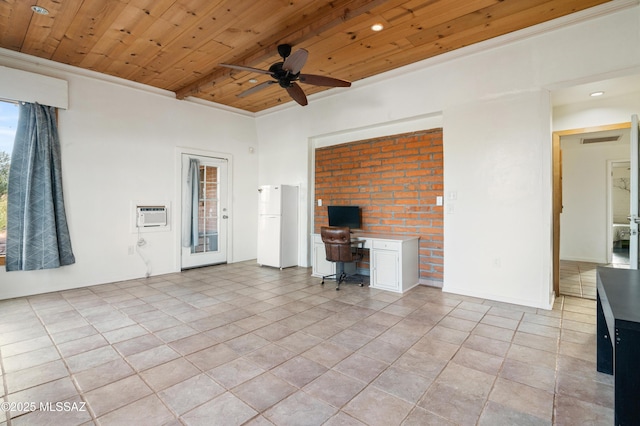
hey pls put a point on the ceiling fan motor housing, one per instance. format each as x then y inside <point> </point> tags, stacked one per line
<point>284,50</point>
<point>284,77</point>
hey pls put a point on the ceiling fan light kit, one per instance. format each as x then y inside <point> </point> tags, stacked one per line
<point>287,73</point>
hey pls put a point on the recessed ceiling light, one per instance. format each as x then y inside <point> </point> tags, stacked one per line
<point>40,10</point>
<point>253,80</point>
<point>377,27</point>
<point>594,94</point>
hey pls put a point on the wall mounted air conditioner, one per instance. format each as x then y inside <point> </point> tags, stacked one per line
<point>151,216</point>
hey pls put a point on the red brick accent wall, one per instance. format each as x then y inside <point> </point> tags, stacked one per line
<point>395,181</point>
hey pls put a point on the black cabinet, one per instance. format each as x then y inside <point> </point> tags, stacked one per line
<point>618,342</point>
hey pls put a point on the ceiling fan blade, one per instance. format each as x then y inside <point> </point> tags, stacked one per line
<point>321,80</point>
<point>296,92</point>
<point>295,61</point>
<point>241,68</point>
<point>256,88</point>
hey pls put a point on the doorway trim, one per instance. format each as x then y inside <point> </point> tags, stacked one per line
<point>557,188</point>
<point>179,152</point>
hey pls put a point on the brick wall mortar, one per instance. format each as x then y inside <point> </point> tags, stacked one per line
<point>395,181</point>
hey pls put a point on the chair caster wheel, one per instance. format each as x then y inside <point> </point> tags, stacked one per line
<point>361,285</point>
<point>337,288</point>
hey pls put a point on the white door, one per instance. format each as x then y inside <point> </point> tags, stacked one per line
<point>207,225</point>
<point>633,208</point>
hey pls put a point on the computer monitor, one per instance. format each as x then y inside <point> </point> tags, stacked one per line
<point>348,216</point>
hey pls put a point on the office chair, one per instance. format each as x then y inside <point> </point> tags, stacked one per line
<point>340,249</point>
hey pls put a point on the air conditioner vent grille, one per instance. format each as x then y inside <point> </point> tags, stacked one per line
<point>586,141</point>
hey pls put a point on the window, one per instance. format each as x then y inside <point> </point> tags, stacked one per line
<point>208,210</point>
<point>8,125</point>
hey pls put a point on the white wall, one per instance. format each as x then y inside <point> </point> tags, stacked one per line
<point>498,225</point>
<point>596,112</point>
<point>119,147</point>
<point>496,111</point>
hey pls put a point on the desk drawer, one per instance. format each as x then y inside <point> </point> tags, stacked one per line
<point>386,245</point>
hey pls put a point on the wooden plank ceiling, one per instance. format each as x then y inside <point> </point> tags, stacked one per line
<point>177,44</point>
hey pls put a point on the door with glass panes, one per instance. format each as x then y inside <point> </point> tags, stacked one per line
<point>204,211</point>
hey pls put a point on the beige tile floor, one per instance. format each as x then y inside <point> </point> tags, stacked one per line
<point>579,278</point>
<point>240,344</point>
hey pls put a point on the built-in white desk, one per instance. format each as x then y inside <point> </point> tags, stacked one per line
<point>393,260</point>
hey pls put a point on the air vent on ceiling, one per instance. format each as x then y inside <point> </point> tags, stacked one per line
<point>600,140</point>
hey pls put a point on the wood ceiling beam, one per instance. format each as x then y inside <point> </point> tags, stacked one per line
<point>326,18</point>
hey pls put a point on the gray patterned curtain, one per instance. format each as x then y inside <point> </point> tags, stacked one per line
<point>190,205</point>
<point>37,232</point>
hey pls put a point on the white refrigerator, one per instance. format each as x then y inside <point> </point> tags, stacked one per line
<point>278,226</point>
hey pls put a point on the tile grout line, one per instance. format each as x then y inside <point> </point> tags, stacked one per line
<point>557,366</point>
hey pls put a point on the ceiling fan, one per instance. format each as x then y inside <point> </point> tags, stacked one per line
<point>287,73</point>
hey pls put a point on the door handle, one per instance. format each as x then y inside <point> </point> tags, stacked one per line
<point>636,219</point>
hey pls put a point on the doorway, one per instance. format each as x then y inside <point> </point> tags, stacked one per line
<point>581,203</point>
<point>205,210</point>
<point>619,201</point>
